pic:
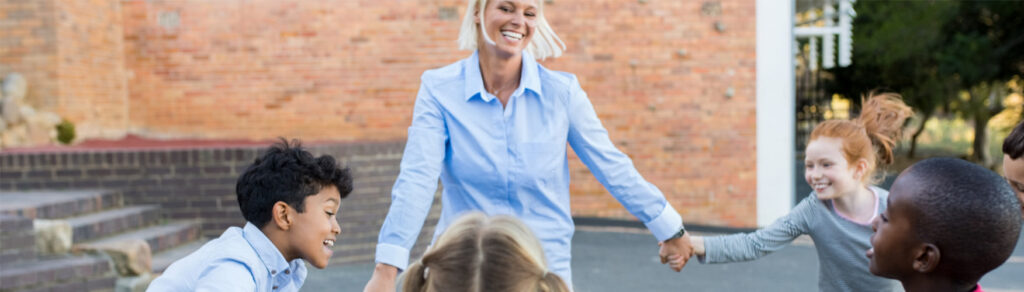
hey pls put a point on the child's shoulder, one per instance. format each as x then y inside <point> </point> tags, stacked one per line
<point>231,247</point>
<point>228,254</point>
<point>812,200</point>
<point>811,207</point>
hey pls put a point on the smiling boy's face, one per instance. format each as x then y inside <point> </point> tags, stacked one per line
<point>894,245</point>
<point>1013,169</point>
<point>314,231</point>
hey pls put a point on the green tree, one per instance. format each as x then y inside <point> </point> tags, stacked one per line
<point>893,50</point>
<point>932,51</point>
<point>984,48</point>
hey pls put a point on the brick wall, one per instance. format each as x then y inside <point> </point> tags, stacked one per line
<point>674,92</point>
<point>673,81</point>
<point>28,45</point>
<point>198,184</point>
<point>91,69</point>
<point>71,52</point>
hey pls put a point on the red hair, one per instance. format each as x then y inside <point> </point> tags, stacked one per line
<point>873,135</point>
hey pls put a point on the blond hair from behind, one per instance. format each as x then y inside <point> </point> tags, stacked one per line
<point>545,43</point>
<point>873,135</point>
<point>477,253</point>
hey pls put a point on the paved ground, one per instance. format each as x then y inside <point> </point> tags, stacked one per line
<point>625,259</point>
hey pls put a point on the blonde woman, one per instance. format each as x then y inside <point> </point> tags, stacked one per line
<point>477,253</point>
<point>494,128</point>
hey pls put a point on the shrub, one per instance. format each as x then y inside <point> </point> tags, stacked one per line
<point>65,132</point>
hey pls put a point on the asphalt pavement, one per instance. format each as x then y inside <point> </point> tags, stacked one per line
<point>626,259</point>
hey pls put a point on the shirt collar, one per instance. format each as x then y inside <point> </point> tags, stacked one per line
<point>529,80</point>
<point>268,252</point>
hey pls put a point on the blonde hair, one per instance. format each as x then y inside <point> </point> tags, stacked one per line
<point>545,43</point>
<point>873,135</point>
<point>477,253</point>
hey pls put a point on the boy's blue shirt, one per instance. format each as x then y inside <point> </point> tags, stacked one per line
<point>241,259</point>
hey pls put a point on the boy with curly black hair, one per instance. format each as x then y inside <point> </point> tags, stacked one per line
<point>290,200</point>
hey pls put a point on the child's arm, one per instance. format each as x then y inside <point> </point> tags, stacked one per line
<point>698,245</point>
<point>751,246</point>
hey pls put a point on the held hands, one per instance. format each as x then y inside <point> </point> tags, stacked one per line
<point>383,279</point>
<point>676,252</point>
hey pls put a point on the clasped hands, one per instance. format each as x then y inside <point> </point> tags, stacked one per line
<point>676,252</point>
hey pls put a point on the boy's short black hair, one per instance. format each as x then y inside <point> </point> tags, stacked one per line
<point>1014,143</point>
<point>287,173</point>
<point>969,212</point>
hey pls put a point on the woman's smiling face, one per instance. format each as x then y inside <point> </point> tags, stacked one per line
<point>510,24</point>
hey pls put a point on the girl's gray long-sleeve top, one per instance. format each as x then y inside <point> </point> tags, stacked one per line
<point>840,243</point>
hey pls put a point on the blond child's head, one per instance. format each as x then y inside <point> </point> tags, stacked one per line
<point>477,253</point>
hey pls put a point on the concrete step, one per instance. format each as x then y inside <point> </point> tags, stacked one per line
<point>60,273</point>
<point>165,258</point>
<point>57,204</point>
<point>109,222</point>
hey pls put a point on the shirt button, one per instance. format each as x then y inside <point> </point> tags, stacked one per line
<point>273,272</point>
<point>287,272</point>
<point>275,288</point>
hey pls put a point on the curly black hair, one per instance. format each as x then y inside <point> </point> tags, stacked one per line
<point>287,173</point>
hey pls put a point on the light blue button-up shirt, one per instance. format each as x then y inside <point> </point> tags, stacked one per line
<point>241,259</point>
<point>509,160</point>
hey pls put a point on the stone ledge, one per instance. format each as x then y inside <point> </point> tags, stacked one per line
<point>131,257</point>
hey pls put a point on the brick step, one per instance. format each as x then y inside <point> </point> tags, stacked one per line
<point>57,204</point>
<point>17,239</point>
<point>165,258</point>
<point>159,237</point>
<point>61,273</point>
<point>109,222</point>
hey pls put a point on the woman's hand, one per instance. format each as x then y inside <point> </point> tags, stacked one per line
<point>383,279</point>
